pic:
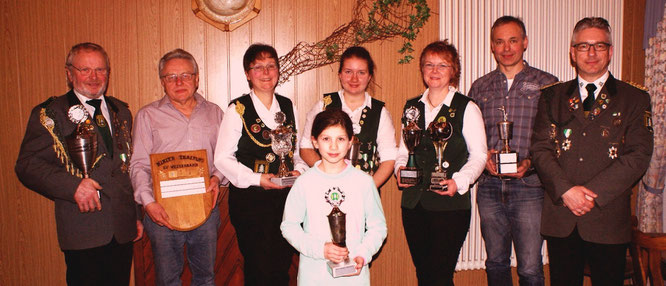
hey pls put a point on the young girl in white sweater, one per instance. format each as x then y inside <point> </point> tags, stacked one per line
<point>333,181</point>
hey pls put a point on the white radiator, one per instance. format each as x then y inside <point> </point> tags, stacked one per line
<point>466,23</point>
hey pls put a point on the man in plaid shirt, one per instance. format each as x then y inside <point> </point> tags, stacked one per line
<point>510,205</point>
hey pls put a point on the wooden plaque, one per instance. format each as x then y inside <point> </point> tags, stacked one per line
<point>178,179</point>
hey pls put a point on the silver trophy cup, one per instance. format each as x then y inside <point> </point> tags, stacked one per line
<point>505,159</point>
<point>82,148</point>
<point>281,144</point>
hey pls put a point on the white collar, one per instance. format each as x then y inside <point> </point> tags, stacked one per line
<point>447,100</point>
<point>597,82</point>
<point>367,100</point>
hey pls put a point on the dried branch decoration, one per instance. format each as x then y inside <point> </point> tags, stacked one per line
<point>385,19</point>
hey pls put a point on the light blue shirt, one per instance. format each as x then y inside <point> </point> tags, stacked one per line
<point>306,204</point>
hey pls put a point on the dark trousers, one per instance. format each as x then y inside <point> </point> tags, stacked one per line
<point>256,215</point>
<point>435,239</point>
<point>568,256</point>
<point>108,264</point>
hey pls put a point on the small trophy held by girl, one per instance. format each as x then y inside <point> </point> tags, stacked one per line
<point>333,253</point>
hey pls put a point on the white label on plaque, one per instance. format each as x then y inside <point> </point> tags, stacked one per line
<point>183,187</point>
<point>508,168</point>
<point>508,158</point>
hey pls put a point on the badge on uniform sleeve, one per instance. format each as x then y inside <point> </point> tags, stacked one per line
<point>255,128</point>
<point>647,119</point>
<point>616,118</point>
<point>260,166</point>
<point>596,111</point>
<point>574,103</point>
<point>566,145</point>
<point>101,122</point>
<point>612,151</point>
<point>270,157</point>
<point>552,132</point>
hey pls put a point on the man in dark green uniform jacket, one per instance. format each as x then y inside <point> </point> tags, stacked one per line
<point>592,141</point>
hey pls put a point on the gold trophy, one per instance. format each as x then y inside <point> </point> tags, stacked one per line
<point>440,132</point>
<point>82,143</point>
<point>411,135</point>
<point>337,220</point>
<point>505,159</point>
<point>281,144</point>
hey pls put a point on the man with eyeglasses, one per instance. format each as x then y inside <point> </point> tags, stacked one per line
<point>96,217</point>
<point>592,141</point>
<point>510,204</point>
<point>182,120</point>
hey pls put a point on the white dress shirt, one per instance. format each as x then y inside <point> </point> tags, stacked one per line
<point>386,146</point>
<point>231,130</point>
<point>475,138</point>
<point>598,82</point>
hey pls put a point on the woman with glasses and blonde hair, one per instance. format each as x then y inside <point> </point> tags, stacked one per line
<point>436,218</point>
<point>245,157</point>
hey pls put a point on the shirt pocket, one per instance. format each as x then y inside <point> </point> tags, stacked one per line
<point>205,135</point>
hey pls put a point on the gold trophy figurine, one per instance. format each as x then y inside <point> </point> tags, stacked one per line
<point>440,132</point>
<point>505,159</point>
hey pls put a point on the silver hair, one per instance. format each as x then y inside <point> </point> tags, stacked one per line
<point>87,46</point>
<point>178,54</point>
<point>592,22</point>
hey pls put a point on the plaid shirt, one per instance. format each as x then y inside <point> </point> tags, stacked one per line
<point>490,93</point>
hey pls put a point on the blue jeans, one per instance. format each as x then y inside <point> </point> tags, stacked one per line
<point>168,248</point>
<point>510,211</point>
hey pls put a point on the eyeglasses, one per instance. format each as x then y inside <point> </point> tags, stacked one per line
<point>171,78</point>
<point>269,67</point>
<point>440,67</point>
<point>584,47</point>
<point>88,71</point>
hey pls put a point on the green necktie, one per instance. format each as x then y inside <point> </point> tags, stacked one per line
<point>101,123</point>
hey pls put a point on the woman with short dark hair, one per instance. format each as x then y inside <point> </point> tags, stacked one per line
<point>245,157</point>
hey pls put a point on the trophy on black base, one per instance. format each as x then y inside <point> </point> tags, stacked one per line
<point>411,135</point>
<point>440,132</point>
<point>338,223</point>
<point>82,143</point>
<point>505,159</point>
<point>281,144</point>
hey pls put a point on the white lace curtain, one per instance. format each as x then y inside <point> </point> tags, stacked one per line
<point>650,204</point>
